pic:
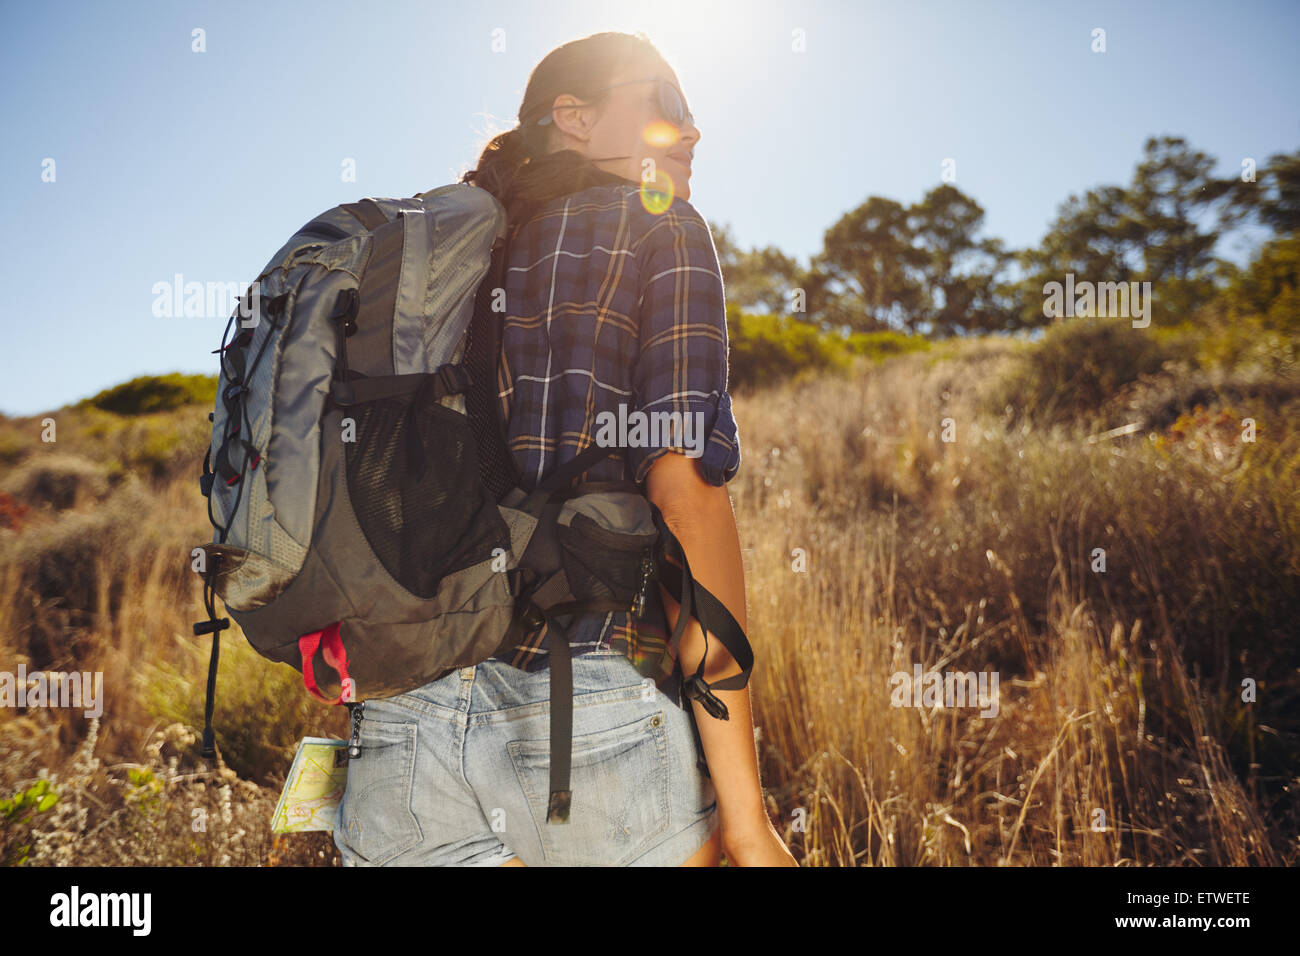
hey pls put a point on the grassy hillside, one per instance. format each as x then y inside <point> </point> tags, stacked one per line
<point>942,505</point>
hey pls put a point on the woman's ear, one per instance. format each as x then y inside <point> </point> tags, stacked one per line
<point>572,118</point>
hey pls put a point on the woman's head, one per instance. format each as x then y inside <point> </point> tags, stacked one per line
<point>597,110</point>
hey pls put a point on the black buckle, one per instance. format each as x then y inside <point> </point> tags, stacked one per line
<point>514,581</point>
<point>342,394</point>
<point>696,689</point>
<point>276,305</point>
<point>211,627</point>
<point>345,307</point>
<point>532,616</point>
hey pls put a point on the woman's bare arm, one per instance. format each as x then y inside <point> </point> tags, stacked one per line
<point>700,515</point>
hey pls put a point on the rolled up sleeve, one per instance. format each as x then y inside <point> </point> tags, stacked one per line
<point>681,369</point>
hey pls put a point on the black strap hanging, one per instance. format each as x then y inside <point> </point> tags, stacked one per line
<point>214,626</point>
<point>699,602</point>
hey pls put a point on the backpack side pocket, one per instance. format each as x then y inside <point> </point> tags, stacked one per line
<point>604,546</point>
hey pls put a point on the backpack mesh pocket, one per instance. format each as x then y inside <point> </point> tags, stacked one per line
<point>603,565</point>
<point>414,483</point>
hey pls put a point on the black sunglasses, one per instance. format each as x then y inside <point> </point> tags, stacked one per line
<point>671,102</point>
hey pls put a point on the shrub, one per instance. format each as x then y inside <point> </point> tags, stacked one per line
<point>66,568</point>
<point>59,480</point>
<point>16,815</point>
<point>154,393</point>
<point>1076,367</point>
<point>768,348</point>
<point>1270,286</point>
<point>1157,401</point>
<point>882,345</point>
<point>13,446</point>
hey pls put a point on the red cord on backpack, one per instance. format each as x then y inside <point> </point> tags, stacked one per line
<point>335,656</point>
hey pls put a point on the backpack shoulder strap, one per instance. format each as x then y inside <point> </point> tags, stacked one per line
<point>367,212</point>
<point>482,350</point>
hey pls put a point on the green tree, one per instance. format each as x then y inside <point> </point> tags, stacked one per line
<point>873,267</point>
<point>1172,188</point>
<point>1269,286</point>
<point>960,272</point>
<point>1094,237</point>
<point>758,280</point>
<point>1273,199</point>
<point>1149,231</point>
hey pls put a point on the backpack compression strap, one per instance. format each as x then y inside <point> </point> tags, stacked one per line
<point>238,374</point>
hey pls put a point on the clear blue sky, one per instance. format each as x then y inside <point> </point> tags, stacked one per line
<point>170,161</point>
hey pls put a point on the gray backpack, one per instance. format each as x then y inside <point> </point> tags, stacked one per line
<point>384,535</point>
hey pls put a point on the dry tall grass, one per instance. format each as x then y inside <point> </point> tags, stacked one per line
<point>1121,737</point>
<point>974,555</point>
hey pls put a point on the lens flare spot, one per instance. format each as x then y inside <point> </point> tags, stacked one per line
<point>657,194</point>
<point>661,134</point>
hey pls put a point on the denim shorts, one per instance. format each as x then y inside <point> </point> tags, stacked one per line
<point>457,773</point>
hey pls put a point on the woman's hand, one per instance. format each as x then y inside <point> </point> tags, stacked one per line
<point>755,844</point>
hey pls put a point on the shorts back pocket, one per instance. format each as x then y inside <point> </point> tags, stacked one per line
<point>619,779</point>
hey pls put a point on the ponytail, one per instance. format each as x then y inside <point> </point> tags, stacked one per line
<point>516,166</point>
<point>524,182</point>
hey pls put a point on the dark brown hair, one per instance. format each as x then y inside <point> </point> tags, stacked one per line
<point>515,166</point>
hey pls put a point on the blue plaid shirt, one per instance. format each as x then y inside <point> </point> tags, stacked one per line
<point>608,303</point>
